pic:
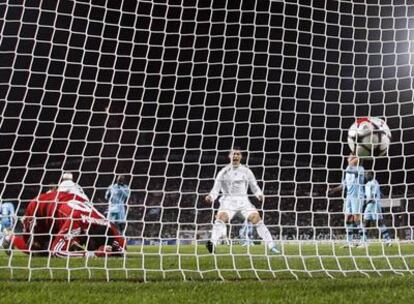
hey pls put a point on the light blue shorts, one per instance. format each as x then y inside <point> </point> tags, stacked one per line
<point>353,205</point>
<point>117,217</point>
<point>373,212</point>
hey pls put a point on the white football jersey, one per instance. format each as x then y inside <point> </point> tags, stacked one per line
<point>234,181</point>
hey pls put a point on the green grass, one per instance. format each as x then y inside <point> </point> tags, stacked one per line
<point>327,273</point>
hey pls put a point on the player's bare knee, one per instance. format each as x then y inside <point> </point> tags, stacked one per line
<point>222,217</point>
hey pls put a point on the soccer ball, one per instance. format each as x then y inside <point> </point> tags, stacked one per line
<point>369,136</point>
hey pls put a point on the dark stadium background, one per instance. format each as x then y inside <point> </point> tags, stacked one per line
<point>161,91</point>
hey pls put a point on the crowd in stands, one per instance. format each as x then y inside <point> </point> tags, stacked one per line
<point>161,207</point>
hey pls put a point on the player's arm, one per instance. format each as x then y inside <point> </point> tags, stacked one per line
<point>119,244</point>
<point>65,244</point>
<point>215,191</point>
<point>254,187</point>
<point>71,248</point>
<point>337,189</point>
<point>369,194</point>
<point>127,193</point>
<point>115,243</point>
<point>108,193</point>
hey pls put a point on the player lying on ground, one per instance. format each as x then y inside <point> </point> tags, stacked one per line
<point>353,182</point>
<point>373,210</point>
<point>64,224</point>
<point>233,181</point>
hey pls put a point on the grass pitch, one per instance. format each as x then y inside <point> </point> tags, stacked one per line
<point>326,273</point>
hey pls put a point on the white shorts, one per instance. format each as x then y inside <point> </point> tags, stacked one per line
<point>233,205</point>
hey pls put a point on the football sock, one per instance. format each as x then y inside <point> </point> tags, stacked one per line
<point>361,230</point>
<point>384,232</point>
<point>219,230</point>
<point>264,233</point>
<point>349,231</point>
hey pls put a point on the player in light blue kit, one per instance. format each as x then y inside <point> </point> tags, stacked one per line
<point>354,184</point>
<point>117,196</point>
<point>7,220</point>
<point>373,211</point>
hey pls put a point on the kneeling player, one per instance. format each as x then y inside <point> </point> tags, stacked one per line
<point>373,210</point>
<point>64,224</point>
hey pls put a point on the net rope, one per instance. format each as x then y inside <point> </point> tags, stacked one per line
<point>161,91</point>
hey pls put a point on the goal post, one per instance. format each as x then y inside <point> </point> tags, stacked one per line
<point>161,91</point>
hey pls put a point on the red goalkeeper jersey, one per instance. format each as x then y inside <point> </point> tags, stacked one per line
<point>62,223</point>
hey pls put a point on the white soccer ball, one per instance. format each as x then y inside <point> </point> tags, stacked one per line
<point>369,137</point>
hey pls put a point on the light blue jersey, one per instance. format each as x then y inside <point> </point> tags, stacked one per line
<point>117,196</point>
<point>353,182</point>
<point>373,210</point>
<point>7,216</point>
<point>7,219</point>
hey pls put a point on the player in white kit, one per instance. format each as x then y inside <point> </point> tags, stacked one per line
<point>233,182</point>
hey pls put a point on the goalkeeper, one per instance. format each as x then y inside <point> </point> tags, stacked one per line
<point>64,224</point>
<point>233,182</point>
<point>373,210</point>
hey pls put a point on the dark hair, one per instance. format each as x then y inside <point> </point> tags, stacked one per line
<point>121,179</point>
<point>369,175</point>
<point>238,148</point>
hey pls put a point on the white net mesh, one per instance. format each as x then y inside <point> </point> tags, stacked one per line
<point>160,92</point>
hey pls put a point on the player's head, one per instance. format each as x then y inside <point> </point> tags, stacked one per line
<point>67,176</point>
<point>353,160</point>
<point>121,179</point>
<point>235,156</point>
<point>369,175</point>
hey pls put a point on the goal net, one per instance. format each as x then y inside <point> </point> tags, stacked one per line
<point>161,91</point>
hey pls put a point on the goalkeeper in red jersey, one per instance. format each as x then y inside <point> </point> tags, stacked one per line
<point>65,224</point>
